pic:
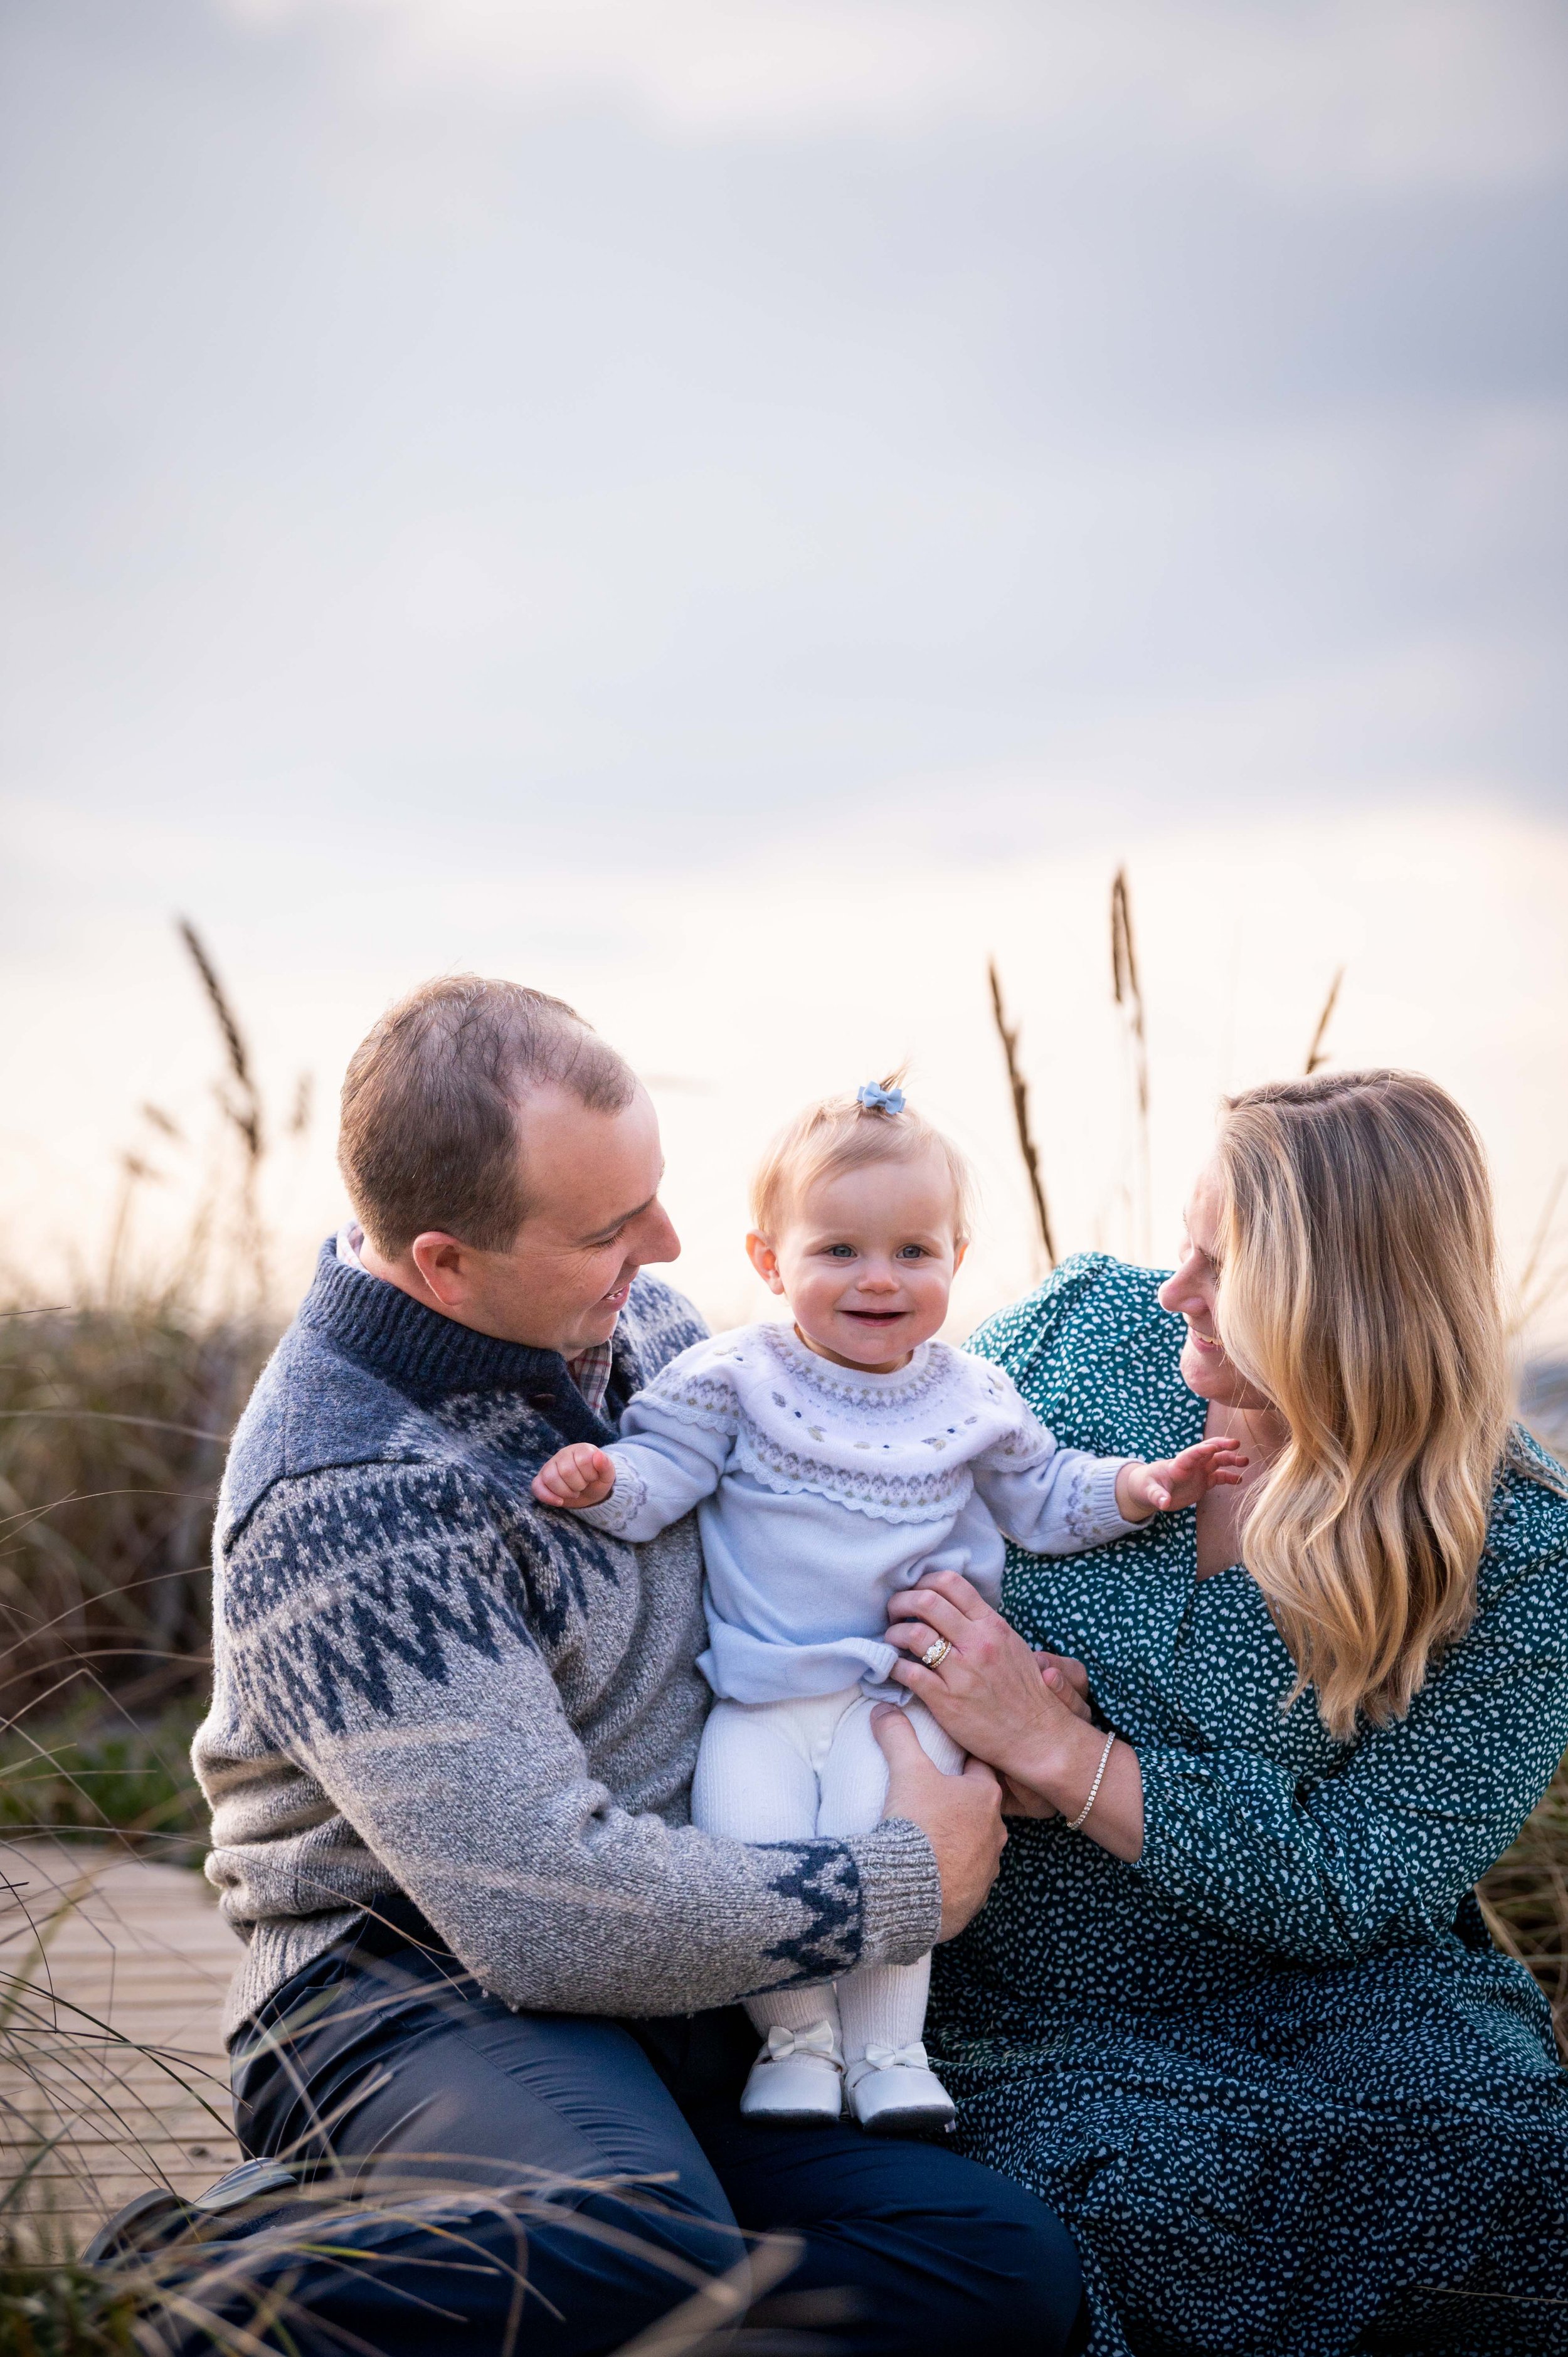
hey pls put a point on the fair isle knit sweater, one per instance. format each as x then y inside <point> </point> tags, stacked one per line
<point>434,1698</point>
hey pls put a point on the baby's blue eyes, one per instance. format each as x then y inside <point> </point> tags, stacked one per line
<point>846,1251</point>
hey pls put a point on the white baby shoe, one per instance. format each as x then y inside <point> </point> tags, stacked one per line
<point>799,2075</point>
<point>893,2090</point>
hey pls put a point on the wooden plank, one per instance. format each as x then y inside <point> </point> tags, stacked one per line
<point>113,1972</point>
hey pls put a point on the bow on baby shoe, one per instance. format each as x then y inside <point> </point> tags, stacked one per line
<point>876,1099</point>
<point>894,2058</point>
<point>817,2040</point>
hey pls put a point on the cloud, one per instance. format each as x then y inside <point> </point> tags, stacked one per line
<point>725,486</point>
<point>1395,94</point>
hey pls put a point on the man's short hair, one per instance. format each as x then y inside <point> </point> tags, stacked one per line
<point>431,1135</point>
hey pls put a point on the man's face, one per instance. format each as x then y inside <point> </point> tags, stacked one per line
<point>593,1181</point>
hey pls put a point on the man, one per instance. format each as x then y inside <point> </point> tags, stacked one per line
<point>448,1754</point>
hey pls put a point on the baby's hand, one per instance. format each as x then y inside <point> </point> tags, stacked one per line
<point>580,1475</point>
<point>1177,1481</point>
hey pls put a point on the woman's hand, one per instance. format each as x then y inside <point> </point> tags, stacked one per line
<point>1002,1702</point>
<point>1026,1715</point>
<point>1068,1680</point>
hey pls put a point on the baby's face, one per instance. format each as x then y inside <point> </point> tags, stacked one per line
<point>867,1261</point>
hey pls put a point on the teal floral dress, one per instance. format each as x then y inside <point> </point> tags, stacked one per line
<point>1289,2097</point>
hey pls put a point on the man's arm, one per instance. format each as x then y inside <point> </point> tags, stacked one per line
<point>406,1679</point>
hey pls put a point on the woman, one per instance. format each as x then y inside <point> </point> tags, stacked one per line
<point>1232,2008</point>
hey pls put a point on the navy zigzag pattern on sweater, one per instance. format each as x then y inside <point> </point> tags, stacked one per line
<point>385,1572</point>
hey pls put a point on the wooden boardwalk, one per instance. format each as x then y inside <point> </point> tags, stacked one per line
<point>113,2076</point>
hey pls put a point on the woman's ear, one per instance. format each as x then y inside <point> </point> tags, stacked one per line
<point>765,1261</point>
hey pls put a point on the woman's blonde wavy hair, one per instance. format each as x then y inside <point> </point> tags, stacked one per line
<point>1358,1291</point>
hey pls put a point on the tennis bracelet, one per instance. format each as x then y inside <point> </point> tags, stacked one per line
<point>1073,1823</point>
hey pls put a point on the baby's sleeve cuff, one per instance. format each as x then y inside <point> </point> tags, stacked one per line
<point>1093,1517</point>
<point>618,1512</point>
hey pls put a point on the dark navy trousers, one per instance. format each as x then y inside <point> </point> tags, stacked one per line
<point>598,2172</point>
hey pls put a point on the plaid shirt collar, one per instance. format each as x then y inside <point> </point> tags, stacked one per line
<point>591,1373</point>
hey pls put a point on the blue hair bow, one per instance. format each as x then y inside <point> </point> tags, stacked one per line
<point>876,1099</point>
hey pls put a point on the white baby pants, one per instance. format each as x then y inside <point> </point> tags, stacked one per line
<point>773,1772</point>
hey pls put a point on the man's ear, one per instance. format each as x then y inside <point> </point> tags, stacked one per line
<point>765,1261</point>
<point>440,1260</point>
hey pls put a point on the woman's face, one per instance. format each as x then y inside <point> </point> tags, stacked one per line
<point>1204,1369</point>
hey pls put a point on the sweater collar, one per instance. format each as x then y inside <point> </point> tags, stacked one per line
<point>426,1356</point>
<point>826,1375</point>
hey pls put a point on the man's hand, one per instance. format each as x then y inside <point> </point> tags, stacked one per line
<point>1068,1680</point>
<point>960,1817</point>
<point>1177,1481</point>
<point>580,1475</point>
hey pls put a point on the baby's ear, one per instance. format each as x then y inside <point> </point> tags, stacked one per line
<point>765,1261</point>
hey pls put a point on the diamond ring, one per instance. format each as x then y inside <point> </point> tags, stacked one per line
<point>936,1653</point>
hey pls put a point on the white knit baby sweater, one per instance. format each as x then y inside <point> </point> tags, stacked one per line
<point>821,1490</point>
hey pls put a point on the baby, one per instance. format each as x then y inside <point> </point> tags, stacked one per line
<point>834,1463</point>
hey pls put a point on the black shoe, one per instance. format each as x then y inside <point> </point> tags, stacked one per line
<point>157,2218</point>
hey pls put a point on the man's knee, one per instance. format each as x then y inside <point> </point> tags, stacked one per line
<point>663,2241</point>
<point>1017,2263</point>
<point>575,2277</point>
<point>932,2251</point>
<point>1041,2289</point>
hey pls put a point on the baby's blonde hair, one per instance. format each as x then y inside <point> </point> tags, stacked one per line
<point>842,1133</point>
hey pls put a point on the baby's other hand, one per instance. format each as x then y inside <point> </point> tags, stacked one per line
<point>580,1475</point>
<point>1176,1481</point>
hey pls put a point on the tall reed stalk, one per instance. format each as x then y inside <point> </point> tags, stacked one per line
<point>241,1102</point>
<point>1317,1054</point>
<point>1129,995</point>
<point>1008,1035</point>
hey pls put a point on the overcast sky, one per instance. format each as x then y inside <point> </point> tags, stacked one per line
<point>692,413</point>
<point>462,450</point>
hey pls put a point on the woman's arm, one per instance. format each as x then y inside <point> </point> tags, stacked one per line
<point>1320,1868</point>
<point>1326,1868</point>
